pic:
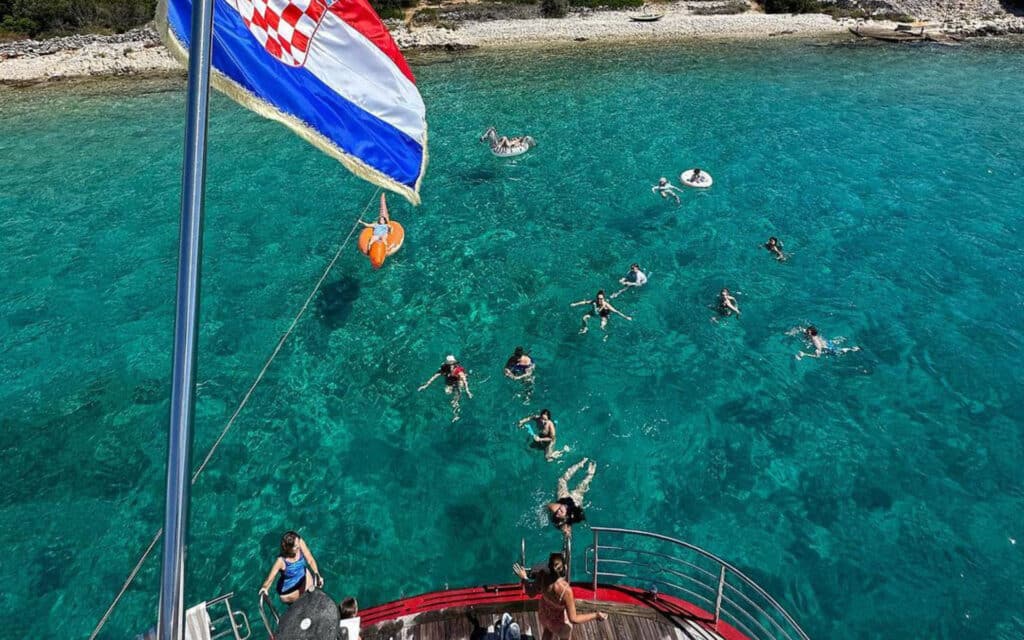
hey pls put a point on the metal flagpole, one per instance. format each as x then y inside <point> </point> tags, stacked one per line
<point>171,616</point>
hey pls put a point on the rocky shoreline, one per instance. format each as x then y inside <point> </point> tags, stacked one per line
<point>140,51</point>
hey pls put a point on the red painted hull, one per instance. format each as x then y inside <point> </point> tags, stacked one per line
<point>507,593</point>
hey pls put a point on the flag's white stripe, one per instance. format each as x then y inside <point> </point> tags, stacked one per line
<point>350,64</point>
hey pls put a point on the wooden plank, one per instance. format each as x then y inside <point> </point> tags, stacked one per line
<point>625,622</point>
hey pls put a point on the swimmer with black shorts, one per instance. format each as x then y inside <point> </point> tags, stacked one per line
<point>600,307</point>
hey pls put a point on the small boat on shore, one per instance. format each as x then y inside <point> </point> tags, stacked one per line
<point>652,17</point>
<point>904,33</point>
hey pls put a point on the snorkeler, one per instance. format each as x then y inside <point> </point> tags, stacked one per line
<point>543,433</point>
<point>520,365</point>
<point>775,247</point>
<point>664,189</point>
<point>822,347</point>
<point>567,510</point>
<point>455,382</point>
<point>601,307</point>
<point>727,304</point>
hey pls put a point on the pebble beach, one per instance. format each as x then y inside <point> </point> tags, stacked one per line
<point>140,51</point>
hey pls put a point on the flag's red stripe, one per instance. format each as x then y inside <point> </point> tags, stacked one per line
<point>359,16</point>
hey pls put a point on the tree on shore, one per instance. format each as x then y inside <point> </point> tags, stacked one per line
<point>554,8</point>
<point>62,17</point>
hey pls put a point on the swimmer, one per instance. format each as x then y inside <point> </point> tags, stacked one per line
<point>520,365</point>
<point>601,307</point>
<point>634,278</point>
<point>544,434</point>
<point>456,381</point>
<point>727,304</point>
<point>664,189</point>
<point>381,229</point>
<point>822,347</point>
<point>775,247</point>
<point>567,509</point>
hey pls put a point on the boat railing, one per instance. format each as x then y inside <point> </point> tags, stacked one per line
<point>267,606</point>
<point>654,562</point>
<point>231,623</point>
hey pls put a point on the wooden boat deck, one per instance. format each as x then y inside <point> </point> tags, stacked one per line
<point>625,622</point>
<point>630,619</point>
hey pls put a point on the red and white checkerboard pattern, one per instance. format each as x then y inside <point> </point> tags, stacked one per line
<point>283,27</point>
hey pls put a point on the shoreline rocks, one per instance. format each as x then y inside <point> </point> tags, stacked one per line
<point>467,27</point>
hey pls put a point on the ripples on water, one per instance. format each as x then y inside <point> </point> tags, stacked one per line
<point>876,494</point>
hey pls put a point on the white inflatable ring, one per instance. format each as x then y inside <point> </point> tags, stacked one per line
<point>705,182</point>
<point>517,150</point>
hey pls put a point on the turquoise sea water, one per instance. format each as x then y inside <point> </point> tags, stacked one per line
<point>877,495</point>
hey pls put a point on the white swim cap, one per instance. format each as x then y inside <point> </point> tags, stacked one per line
<point>449,360</point>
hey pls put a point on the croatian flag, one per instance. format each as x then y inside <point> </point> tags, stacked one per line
<point>327,69</point>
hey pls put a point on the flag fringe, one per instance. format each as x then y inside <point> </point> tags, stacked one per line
<point>240,95</point>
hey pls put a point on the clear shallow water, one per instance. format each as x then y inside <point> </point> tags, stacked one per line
<point>876,495</point>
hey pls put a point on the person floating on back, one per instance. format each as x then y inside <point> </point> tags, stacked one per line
<point>298,569</point>
<point>664,189</point>
<point>601,308</point>
<point>567,510</point>
<point>821,346</point>
<point>634,278</point>
<point>775,247</point>
<point>456,380</point>
<point>381,229</point>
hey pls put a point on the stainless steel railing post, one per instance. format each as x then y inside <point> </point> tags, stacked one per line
<point>775,615</point>
<point>718,597</point>
<point>567,552</point>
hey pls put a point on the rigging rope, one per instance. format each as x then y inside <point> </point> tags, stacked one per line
<point>241,405</point>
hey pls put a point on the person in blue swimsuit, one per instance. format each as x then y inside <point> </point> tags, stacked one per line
<point>298,569</point>
<point>520,365</point>
<point>381,229</point>
<point>822,346</point>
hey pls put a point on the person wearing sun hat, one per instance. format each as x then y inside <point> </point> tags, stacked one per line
<point>456,379</point>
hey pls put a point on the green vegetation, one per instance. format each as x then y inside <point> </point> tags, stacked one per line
<point>609,4</point>
<point>729,8</point>
<point>834,10</point>
<point>59,17</point>
<point>554,8</point>
<point>432,17</point>
<point>392,8</point>
<point>792,6</point>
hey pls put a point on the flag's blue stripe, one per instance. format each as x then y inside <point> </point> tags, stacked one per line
<point>297,92</point>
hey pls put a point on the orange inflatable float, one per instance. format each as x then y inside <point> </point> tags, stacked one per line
<point>379,251</point>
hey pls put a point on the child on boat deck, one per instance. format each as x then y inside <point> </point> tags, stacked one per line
<point>348,611</point>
